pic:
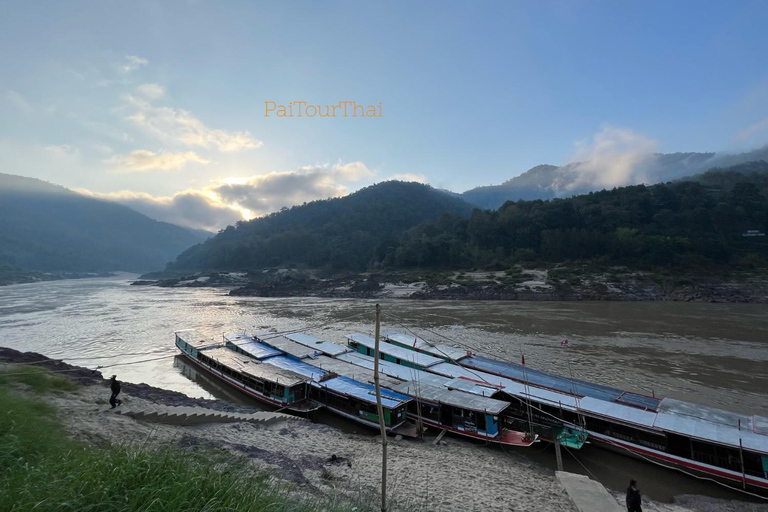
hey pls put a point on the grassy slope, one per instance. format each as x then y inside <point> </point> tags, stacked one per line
<point>42,469</point>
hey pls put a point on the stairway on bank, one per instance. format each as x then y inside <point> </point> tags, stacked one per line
<point>197,415</point>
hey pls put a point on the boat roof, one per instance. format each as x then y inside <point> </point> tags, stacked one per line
<point>326,347</point>
<point>558,383</point>
<point>403,373</point>
<point>398,371</point>
<point>418,358</point>
<point>297,366</point>
<point>363,391</point>
<point>435,349</point>
<point>252,347</point>
<point>684,418</point>
<point>288,346</point>
<point>442,395</point>
<point>255,368</point>
<point>341,384</point>
<point>708,423</point>
<point>353,371</point>
<point>197,340</point>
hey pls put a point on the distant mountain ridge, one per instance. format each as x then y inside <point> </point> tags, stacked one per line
<point>47,227</point>
<point>550,181</point>
<point>342,233</point>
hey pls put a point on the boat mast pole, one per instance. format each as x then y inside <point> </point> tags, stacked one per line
<point>380,410</point>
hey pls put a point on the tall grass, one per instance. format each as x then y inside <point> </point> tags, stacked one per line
<point>42,469</point>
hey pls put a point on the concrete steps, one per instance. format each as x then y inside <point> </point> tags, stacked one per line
<point>197,415</point>
<point>586,494</point>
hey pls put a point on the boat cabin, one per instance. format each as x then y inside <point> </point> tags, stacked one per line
<point>191,341</point>
<point>275,385</point>
<point>346,396</point>
<point>364,344</point>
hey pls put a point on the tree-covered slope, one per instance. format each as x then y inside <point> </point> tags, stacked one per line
<point>700,222</point>
<point>50,228</point>
<point>341,233</point>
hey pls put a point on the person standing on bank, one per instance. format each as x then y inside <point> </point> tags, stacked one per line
<point>115,386</point>
<point>633,498</point>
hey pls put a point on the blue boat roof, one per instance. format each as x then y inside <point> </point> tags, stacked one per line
<point>342,385</point>
<point>363,391</point>
<point>556,382</point>
<point>294,365</point>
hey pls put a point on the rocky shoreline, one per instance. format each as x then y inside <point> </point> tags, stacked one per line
<point>526,285</point>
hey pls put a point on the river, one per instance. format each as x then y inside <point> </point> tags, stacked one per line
<point>713,354</point>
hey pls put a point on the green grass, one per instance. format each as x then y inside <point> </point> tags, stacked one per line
<point>44,470</point>
<point>39,379</point>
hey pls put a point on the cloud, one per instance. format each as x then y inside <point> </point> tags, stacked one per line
<point>409,176</point>
<point>223,203</point>
<point>132,63</point>
<point>267,193</point>
<point>181,126</point>
<point>756,131</point>
<point>151,91</point>
<point>142,160</point>
<point>614,157</point>
<point>190,208</point>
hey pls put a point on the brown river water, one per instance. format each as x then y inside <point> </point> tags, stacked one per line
<point>712,354</point>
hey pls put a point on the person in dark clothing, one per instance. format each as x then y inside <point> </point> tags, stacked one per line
<point>633,498</point>
<point>115,386</point>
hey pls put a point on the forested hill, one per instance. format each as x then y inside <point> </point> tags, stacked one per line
<point>699,223</point>
<point>50,228</point>
<point>343,233</point>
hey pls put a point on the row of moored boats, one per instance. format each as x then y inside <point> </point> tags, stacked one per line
<point>425,384</point>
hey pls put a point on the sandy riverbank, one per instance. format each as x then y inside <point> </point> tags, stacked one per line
<point>456,475</point>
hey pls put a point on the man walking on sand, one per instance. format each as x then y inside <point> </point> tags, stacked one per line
<point>633,498</point>
<point>115,386</point>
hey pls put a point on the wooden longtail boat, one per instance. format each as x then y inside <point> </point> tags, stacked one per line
<point>728,447</point>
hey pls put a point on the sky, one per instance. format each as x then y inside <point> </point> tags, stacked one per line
<point>161,104</point>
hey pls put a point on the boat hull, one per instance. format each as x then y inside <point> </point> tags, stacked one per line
<point>698,469</point>
<point>507,437</point>
<point>235,384</point>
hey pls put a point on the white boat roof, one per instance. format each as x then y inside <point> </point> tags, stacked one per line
<point>326,347</point>
<point>255,368</point>
<point>627,413</point>
<point>353,371</point>
<point>684,418</point>
<point>435,349</point>
<point>454,398</point>
<point>468,386</point>
<point>708,423</point>
<point>418,358</point>
<point>197,340</point>
<point>288,346</point>
<point>391,369</point>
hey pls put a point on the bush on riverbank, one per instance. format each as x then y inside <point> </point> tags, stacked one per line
<point>43,469</point>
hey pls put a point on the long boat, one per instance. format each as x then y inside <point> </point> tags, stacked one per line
<point>345,396</point>
<point>267,383</point>
<point>467,412</point>
<point>728,447</point>
<point>514,417</point>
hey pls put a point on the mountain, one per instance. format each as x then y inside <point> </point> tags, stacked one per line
<point>341,233</point>
<point>46,227</point>
<point>714,220</point>
<point>549,181</point>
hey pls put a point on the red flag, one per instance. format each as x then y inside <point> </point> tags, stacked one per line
<point>523,358</point>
